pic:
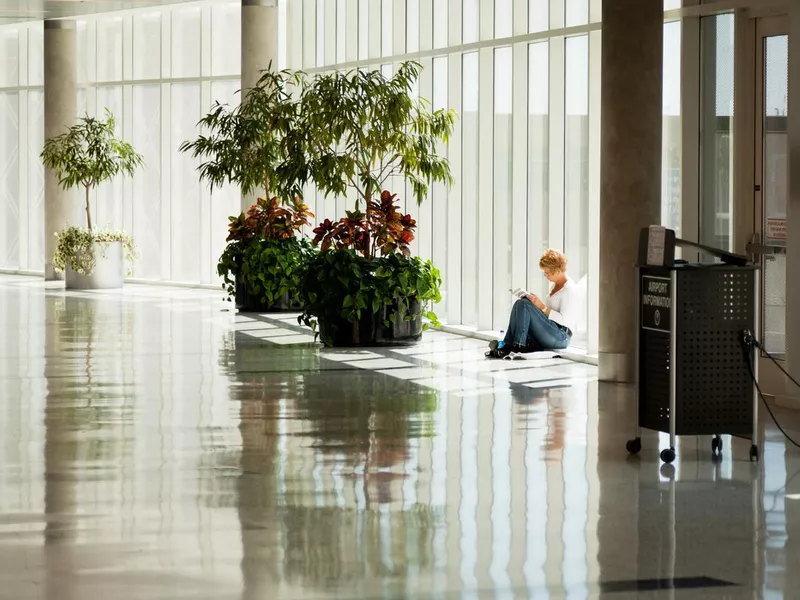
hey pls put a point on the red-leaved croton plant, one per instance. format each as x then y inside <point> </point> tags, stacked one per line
<point>382,230</point>
<point>268,219</point>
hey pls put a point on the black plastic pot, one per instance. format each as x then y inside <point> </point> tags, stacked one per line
<point>247,302</point>
<point>371,330</point>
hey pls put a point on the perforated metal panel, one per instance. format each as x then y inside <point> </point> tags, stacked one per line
<point>714,388</point>
<point>714,392</point>
<point>654,380</point>
<point>653,367</point>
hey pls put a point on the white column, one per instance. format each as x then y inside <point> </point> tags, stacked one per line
<point>259,47</point>
<point>60,112</point>
<point>630,171</point>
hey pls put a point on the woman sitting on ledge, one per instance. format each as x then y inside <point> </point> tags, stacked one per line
<point>537,325</point>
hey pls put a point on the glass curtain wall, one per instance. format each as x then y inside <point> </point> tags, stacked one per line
<point>524,152</point>
<point>158,70</point>
<point>21,140</point>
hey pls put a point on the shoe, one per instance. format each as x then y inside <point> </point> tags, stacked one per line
<point>495,351</point>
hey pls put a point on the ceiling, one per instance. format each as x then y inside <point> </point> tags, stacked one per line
<point>16,11</point>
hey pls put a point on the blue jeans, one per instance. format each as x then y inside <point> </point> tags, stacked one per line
<point>529,326</point>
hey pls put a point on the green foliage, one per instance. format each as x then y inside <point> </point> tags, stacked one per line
<point>88,154</point>
<point>264,220</point>
<point>365,266</point>
<point>344,285</point>
<point>271,268</point>
<point>76,248</point>
<point>229,266</point>
<point>357,129</point>
<point>244,145</point>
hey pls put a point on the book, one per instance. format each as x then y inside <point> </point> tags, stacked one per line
<point>519,293</point>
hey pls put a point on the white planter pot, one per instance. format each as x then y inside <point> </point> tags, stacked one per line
<point>108,273</point>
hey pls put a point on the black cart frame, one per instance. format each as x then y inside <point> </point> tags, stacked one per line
<point>691,372</point>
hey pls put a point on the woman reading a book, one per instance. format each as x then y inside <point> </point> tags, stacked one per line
<point>537,324</point>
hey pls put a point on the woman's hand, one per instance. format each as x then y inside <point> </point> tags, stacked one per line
<point>534,299</point>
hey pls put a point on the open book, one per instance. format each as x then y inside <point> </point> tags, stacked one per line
<point>520,293</point>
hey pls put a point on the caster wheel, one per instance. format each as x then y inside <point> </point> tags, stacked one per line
<point>667,471</point>
<point>754,453</point>
<point>634,446</point>
<point>668,455</point>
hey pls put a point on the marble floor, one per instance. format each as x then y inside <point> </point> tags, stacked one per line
<point>154,444</point>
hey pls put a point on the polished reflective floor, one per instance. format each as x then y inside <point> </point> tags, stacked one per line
<point>154,444</point>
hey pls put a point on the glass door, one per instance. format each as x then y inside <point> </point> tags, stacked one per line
<point>768,243</point>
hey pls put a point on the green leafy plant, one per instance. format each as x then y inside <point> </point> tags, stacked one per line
<point>76,248</point>
<point>88,154</point>
<point>272,268</point>
<point>343,289</point>
<point>342,284</point>
<point>355,130</point>
<point>244,145</point>
<point>258,236</point>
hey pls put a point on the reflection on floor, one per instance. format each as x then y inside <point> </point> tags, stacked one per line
<point>154,444</point>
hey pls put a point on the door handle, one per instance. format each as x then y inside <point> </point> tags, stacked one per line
<point>765,249</point>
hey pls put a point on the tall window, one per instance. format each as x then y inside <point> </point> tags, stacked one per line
<point>671,140</point>
<point>538,226</point>
<point>469,167</point>
<point>716,177</point>
<point>576,160</point>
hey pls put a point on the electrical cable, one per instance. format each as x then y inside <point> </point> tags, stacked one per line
<point>748,342</point>
<point>758,345</point>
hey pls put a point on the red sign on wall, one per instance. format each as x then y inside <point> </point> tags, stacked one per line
<point>776,229</point>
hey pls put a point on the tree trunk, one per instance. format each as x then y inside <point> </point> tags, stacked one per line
<point>88,210</point>
<point>367,199</point>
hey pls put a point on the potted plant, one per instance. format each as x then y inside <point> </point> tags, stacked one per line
<point>354,131</point>
<point>243,145</point>
<point>263,261</point>
<point>364,288</point>
<point>86,155</point>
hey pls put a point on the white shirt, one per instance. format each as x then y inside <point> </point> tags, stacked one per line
<point>564,305</point>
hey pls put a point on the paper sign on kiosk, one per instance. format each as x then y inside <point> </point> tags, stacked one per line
<point>656,242</point>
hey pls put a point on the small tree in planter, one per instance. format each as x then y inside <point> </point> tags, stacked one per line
<point>244,146</point>
<point>86,155</point>
<point>354,131</point>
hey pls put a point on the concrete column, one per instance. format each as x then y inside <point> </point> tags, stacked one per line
<point>630,170</point>
<point>259,48</point>
<point>60,112</point>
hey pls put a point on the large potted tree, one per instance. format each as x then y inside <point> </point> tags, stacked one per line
<point>86,155</point>
<point>354,131</point>
<point>243,145</point>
